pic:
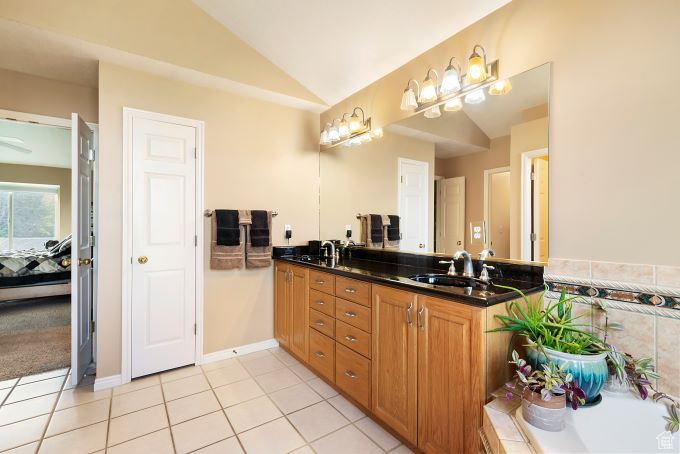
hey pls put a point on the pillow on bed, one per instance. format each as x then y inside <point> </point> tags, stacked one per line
<point>61,246</point>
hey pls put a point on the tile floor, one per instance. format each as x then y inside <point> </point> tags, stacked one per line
<point>265,402</point>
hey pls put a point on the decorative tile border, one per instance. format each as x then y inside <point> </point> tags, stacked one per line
<point>608,293</point>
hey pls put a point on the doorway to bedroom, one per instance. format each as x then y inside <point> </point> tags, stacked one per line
<point>47,185</point>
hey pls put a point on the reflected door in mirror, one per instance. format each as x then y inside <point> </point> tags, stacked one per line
<point>450,215</point>
<point>413,200</point>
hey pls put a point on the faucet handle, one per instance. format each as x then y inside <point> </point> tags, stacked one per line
<point>485,272</point>
<point>452,268</point>
<point>446,262</point>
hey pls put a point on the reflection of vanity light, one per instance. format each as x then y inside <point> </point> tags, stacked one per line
<point>453,105</point>
<point>500,87</point>
<point>324,140</point>
<point>475,97</point>
<point>408,99</point>
<point>433,112</point>
<point>476,66</point>
<point>428,91</point>
<point>343,128</point>
<point>451,79</point>
<point>333,134</point>
<point>377,133</point>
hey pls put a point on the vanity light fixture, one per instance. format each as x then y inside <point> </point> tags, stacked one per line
<point>451,78</point>
<point>476,66</point>
<point>454,105</point>
<point>500,87</point>
<point>428,91</point>
<point>475,97</point>
<point>408,99</point>
<point>433,112</point>
<point>333,133</point>
<point>343,128</point>
<point>324,140</point>
<point>355,123</point>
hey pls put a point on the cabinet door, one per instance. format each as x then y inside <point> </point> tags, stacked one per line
<point>299,297</point>
<point>450,371</point>
<point>282,310</point>
<point>394,356</point>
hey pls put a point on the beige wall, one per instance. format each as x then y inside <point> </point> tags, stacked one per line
<point>613,144</point>
<point>363,180</point>
<point>258,155</point>
<point>528,136</point>
<point>472,167</point>
<point>12,173</point>
<point>37,95</point>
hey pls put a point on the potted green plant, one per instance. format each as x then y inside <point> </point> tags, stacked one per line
<point>553,334</point>
<point>544,393</point>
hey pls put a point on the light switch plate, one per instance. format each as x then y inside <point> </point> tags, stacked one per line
<point>287,227</point>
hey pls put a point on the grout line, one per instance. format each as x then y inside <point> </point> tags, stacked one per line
<point>167,416</point>
<point>54,406</point>
<point>223,410</point>
<point>108,423</point>
<point>137,437</point>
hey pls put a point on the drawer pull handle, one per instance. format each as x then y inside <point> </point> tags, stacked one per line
<point>319,354</point>
<point>350,290</point>
<point>351,338</point>
<point>350,374</point>
<point>320,282</point>
<point>319,302</point>
<point>319,323</point>
<point>351,314</point>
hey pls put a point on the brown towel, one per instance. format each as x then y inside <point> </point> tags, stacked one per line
<point>391,230</point>
<point>224,257</point>
<point>244,217</point>
<point>366,237</point>
<point>258,257</point>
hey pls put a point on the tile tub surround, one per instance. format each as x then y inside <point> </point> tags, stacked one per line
<point>264,402</point>
<point>645,299</point>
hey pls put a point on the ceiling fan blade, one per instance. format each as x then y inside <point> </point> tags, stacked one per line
<point>15,148</point>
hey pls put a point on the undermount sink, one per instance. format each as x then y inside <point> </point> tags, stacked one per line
<point>445,279</point>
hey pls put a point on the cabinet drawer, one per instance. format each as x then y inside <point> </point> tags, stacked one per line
<point>354,338</point>
<point>353,374</point>
<point>354,314</point>
<point>353,290</point>
<point>322,322</point>
<point>322,281</point>
<point>322,354</point>
<point>322,302</point>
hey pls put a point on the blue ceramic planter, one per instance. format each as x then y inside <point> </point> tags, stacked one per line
<point>589,370</point>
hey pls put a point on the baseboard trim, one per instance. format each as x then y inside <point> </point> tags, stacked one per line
<point>238,351</point>
<point>107,382</point>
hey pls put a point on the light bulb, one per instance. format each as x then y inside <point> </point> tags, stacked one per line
<point>475,97</point>
<point>333,134</point>
<point>408,100</point>
<point>343,129</point>
<point>428,92</point>
<point>453,105</point>
<point>476,67</point>
<point>450,81</point>
<point>354,122</point>
<point>433,112</point>
<point>500,87</point>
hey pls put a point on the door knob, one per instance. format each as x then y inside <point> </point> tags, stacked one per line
<point>421,245</point>
<point>142,259</point>
<point>459,243</point>
<point>85,262</point>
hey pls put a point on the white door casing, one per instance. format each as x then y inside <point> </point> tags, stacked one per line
<point>82,157</point>
<point>526,184</point>
<point>451,215</point>
<point>540,204</point>
<point>497,204</point>
<point>164,249</point>
<point>413,204</point>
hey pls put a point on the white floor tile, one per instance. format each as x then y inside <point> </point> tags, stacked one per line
<point>252,413</point>
<point>262,365</point>
<point>133,425</point>
<point>318,420</point>
<point>228,446</point>
<point>26,409</point>
<point>86,439</point>
<point>302,372</point>
<point>229,374</point>
<point>295,398</point>
<point>156,442</point>
<point>182,372</point>
<point>324,389</point>
<point>193,406</point>
<point>22,432</point>
<point>185,386</point>
<point>136,384</point>
<point>278,379</point>
<point>136,400</point>
<point>39,388</point>
<point>348,409</point>
<point>200,432</point>
<point>76,417</point>
<point>235,393</point>
<point>346,440</point>
<point>277,436</point>
<point>376,433</point>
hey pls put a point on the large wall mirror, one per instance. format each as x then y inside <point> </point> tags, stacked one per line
<point>472,178</point>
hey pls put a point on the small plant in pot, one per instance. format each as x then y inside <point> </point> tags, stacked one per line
<point>553,334</point>
<point>545,392</point>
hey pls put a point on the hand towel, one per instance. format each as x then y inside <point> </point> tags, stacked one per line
<point>392,233</point>
<point>228,229</point>
<point>259,256</point>
<point>225,257</point>
<point>375,236</point>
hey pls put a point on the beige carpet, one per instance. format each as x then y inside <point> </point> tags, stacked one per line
<point>35,336</point>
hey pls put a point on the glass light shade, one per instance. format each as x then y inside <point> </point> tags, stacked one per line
<point>333,134</point>
<point>476,69</point>
<point>324,140</point>
<point>433,112</point>
<point>500,87</point>
<point>408,100</point>
<point>343,129</point>
<point>450,81</point>
<point>428,92</point>
<point>453,105</point>
<point>354,122</point>
<point>475,97</point>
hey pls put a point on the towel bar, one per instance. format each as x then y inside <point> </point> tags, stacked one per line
<point>209,213</point>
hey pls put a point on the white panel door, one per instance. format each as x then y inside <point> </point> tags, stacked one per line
<point>164,254</point>
<point>82,157</point>
<point>451,215</point>
<point>413,201</point>
<point>540,204</point>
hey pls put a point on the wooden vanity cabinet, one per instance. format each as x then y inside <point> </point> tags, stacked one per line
<point>291,308</point>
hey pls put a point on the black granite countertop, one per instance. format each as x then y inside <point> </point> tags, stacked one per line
<point>395,272</point>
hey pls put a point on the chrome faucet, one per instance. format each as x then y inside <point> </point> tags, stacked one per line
<point>332,245</point>
<point>486,253</point>
<point>484,276</point>
<point>468,271</point>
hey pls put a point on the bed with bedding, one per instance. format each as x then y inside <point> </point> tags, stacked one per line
<point>31,273</point>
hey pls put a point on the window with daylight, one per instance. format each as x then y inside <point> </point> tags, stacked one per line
<point>29,215</point>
